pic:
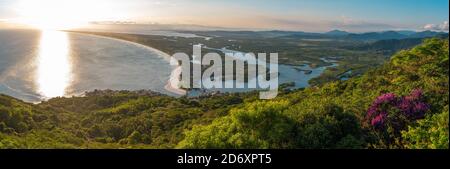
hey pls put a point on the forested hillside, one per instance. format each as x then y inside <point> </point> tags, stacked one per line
<point>403,104</point>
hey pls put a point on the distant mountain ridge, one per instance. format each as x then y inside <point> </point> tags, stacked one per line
<point>245,33</point>
<point>337,33</point>
<point>336,115</point>
<point>375,36</point>
<point>406,32</point>
<point>334,34</point>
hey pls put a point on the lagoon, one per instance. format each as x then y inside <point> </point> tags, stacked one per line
<point>38,65</point>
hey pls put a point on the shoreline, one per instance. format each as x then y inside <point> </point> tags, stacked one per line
<point>170,86</point>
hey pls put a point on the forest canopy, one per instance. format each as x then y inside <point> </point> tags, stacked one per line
<point>402,104</point>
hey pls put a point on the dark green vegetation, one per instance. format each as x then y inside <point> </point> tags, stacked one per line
<point>355,53</point>
<point>107,119</point>
<point>333,115</point>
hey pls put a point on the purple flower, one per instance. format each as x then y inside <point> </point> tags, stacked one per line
<point>372,110</point>
<point>386,98</point>
<point>405,105</point>
<point>411,106</point>
<point>419,110</point>
<point>421,107</point>
<point>416,94</point>
<point>378,121</point>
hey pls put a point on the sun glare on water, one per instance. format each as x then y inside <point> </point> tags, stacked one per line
<point>62,14</point>
<point>53,64</point>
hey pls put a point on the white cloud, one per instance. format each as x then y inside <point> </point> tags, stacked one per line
<point>429,26</point>
<point>437,27</point>
<point>444,26</point>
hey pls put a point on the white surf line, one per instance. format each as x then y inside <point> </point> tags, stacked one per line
<point>161,53</point>
<point>172,84</point>
<point>38,97</point>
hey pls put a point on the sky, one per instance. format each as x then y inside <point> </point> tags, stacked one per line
<point>299,15</point>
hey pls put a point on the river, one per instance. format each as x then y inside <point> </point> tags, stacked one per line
<point>38,65</point>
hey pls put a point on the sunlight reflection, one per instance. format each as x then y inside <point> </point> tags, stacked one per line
<point>53,71</point>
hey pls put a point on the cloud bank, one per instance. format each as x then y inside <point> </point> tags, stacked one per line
<point>437,27</point>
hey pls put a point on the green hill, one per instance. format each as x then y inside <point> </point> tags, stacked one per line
<point>403,104</point>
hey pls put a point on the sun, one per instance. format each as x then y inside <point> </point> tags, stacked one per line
<point>63,14</point>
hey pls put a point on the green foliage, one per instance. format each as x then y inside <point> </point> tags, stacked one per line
<point>429,133</point>
<point>107,119</point>
<point>257,125</point>
<point>333,116</point>
<point>327,116</point>
<point>273,124</point>
<point>326,126</point>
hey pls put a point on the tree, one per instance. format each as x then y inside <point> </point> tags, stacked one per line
<point>429,133</point>
<point>134,138</point>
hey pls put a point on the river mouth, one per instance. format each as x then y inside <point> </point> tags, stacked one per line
<point>294,76</point>
<point>36,66</point>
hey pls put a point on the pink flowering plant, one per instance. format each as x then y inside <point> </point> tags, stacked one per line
<point>389,114</point>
